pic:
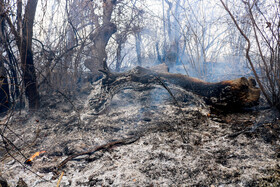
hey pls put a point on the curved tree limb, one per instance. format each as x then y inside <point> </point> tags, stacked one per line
<point>228,95</point>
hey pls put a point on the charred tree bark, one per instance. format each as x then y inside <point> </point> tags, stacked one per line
<point>4,89</point>
<point>228,95</point>
<point>12,63</point>
<point>26,54</point>
<point>23,34</point>
<point>120,39</point>
<point>30,79</point>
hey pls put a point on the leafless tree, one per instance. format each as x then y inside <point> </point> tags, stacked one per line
<point>22,30</point>
<point>263,45</point>
<point>129,21</point>
<point>101,35</point>
<point>4,91</point>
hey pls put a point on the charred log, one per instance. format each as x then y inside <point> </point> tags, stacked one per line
<point>227,95</point>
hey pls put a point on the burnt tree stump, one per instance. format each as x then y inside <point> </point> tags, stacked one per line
<point>228,95</point>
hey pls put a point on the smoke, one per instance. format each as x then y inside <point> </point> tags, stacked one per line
<point>227,68</point>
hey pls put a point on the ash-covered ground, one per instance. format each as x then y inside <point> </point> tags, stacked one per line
<point>240,149</point>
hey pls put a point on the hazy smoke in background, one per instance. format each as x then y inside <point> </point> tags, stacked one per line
<point>194,33</point>
<point>226,69</point>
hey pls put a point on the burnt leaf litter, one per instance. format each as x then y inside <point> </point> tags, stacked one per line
<point>222,149</point>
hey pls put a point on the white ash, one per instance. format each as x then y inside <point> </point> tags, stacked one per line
<point>158,158</point>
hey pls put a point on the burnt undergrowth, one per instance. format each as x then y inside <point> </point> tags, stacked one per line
<point>230,149</point>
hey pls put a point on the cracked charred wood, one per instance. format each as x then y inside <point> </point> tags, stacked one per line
<point>228,95</point>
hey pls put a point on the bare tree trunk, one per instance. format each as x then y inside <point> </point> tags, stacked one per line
<point>23,34</point>
<point>138,47</point>
<point>29,79</point>
<point>119,50</point>
<point>159,58</point>
<point>4,88</point>
<point>27,63</point>
<point>118,63</point>
<point>101,37</point>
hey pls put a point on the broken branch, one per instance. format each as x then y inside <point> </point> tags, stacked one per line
<point>124,141</point>
<point>227,95</point>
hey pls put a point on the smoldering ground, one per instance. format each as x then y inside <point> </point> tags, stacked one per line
<point>213,155</point>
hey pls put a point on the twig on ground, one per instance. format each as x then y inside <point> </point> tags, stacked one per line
<point>106,146</point>
<point>59,180</point>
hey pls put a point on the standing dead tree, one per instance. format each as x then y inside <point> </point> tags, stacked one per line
<point>23,32</point>
<point>130,21</point>
<point>101,36</point>
<point>4,88</point>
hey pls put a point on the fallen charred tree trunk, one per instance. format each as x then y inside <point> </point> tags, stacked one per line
<point>228,95</point>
